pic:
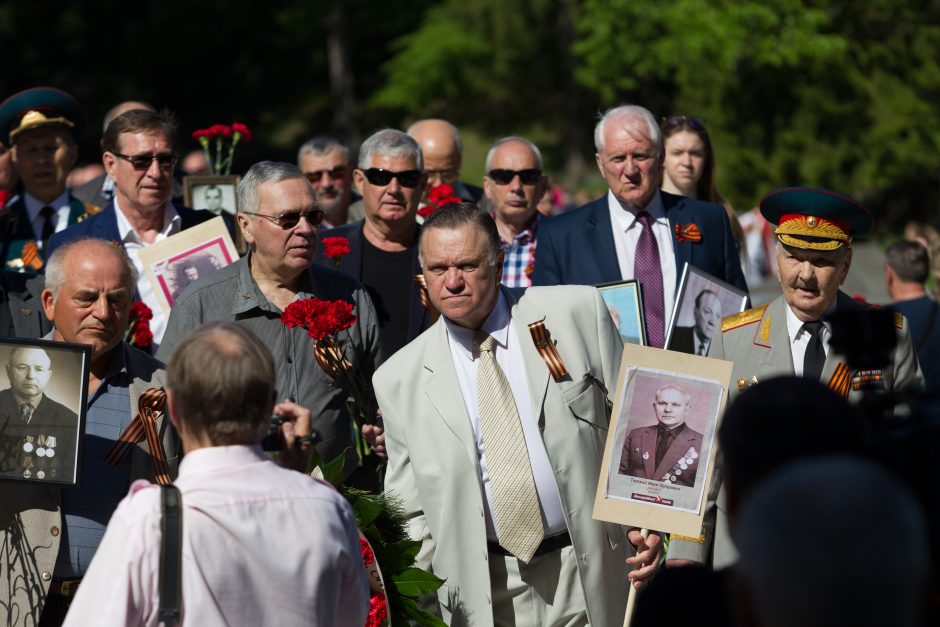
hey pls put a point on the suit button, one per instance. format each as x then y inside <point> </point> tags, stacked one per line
<point>46,575</point>
<point>54,531</point>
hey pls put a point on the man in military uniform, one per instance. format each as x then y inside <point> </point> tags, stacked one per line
<point>42,126</point>
<point>790,335</point>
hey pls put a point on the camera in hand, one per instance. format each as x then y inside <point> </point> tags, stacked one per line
<point>272,440</point>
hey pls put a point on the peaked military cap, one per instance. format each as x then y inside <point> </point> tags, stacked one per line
<point>40,107</point>
<point>815,219</point>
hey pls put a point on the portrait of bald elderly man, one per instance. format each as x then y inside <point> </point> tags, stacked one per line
<point>37,434</point>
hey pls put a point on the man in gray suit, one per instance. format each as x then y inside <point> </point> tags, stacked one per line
<point>790,335</point>
<point>495,438</point>
<point>51,533</point>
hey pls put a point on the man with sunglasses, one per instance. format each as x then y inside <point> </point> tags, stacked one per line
<point>325,162</point>
<point>42,126</point>
<point>279,218</point>
<point>139,154</point>
<point>636,231</point>
<point>383,246</point>
<point>513,185</point>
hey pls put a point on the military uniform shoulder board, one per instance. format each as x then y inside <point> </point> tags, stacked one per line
<point>740,319</point>
<point>90,210</point>
<point>898,320</point>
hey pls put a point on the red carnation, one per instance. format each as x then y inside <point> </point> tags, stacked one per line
<point>438,196</point>
<point>5,197</point>
<point>321,318</point>
<point>378,610</point>
<point>242,130</point>
<point>138,328</point>
<point>335,248</point>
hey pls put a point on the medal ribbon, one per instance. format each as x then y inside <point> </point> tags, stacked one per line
<point>30,256</point>
<point>547,350</point>
<point>689,232</point>
<point>839,383</point>
<point>423,292</point>
<point>144,425</point>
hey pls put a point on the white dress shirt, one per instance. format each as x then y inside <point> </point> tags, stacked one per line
<point>626,235</point>
<point>60,219</point>
<point>509,357</point>
<point>132,244</point>
<point>262,545</point>
<point>799,339</point>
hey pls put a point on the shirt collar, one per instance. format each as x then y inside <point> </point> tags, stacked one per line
<point>248,296</point>
<point>171,222</point>
<point>528,233</point>
<point>220,458</point>
<point>795,325</point>
<point>624,216</point>
<point>496,324</point>
<point>34,205</point>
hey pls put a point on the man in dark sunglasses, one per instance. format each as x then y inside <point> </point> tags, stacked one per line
<point>279,218</point>
<point>383,251</point>
<point>325,162</point>
<point>139,152</point>
<point>513,185</point>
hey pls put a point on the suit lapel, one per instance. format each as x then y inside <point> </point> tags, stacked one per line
<point>772,333</point>
<point>601,237</point>
<point>443,390</point>
<point>26,314</point>
<point>537,374</point>
<point>648,449</point>
<point>678,213</point>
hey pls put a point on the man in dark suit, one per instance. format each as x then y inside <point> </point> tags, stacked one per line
<point>139,153</point>
<point>696,339</point>
<point>636,231</point>
<point>668,451</point>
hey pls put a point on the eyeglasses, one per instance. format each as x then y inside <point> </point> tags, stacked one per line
<point>142,162</point>
<point>696,123</point>
<point>530,176</point>
<point>406,178</point>
<point>442,174</point>
<point>291,219</point>
<point>336,173</point>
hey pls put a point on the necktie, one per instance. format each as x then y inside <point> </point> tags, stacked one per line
<point>701,348</point>
<point>516,512</point>
<point>649,273</point>
<point>26,412</point>
<point>815,355</point>
<point>48,226</point>
<point>663,442</point>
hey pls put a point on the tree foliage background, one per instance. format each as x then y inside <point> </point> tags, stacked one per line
<point>834,93</point>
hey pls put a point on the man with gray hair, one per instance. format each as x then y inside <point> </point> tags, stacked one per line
<point>88,294</point>
<point>514,184</point>
<point>835,509</point>
<point>255,535</point>
<point>443,154</point>
<point>383,246</point>
<point>636,231</point>
<point>279,218</point>
<point>325,161</point>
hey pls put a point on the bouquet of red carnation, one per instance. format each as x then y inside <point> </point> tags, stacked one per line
<point>138,327</point>
<point>323,321</point>
<point>335,248</point>
<point>222,135</point>
<point>438,196</point>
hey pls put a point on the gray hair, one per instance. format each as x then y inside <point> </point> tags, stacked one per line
<point>55,265</point>
<point>390,142</point>
<point>634,112</point>
<point>321,145</point>
<point>837,508</point>
<point>246,194</point>
<point>512,138</point>
<point>670,386</point>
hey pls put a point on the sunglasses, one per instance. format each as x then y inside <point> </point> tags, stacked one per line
<point>530,176</point>
<point>336,173</point>
<point>694,122</point>
<point>290,219</point>
<point>142,162</point>
<point>406,178</point>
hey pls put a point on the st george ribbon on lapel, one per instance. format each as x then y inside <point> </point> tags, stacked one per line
<point>547,350</point>
<point>144,425</point>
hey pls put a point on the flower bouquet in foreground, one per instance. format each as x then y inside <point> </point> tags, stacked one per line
<point>323,321</point>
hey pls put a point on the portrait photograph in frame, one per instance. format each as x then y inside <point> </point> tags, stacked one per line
<point>43,402</point>
<point>625,303</point>
<point>177,261</point>
<point>660,451</point>
<point>701,302</point>
<point>212,193</point>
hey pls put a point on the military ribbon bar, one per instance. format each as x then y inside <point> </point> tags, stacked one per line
<point>689,232</point>
<point>547,350</point>
<point>144,425</point>
<point>839,382</point>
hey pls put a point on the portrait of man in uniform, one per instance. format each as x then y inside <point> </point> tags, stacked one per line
<point>668,451</point>
<point>37,434</point>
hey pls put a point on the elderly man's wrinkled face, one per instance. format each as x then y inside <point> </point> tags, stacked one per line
<point>43,158</point>
<point>707,315</point>
<point>630,161</point>
<point>331,176</point>
<point>391,201</point>
<point>514,200</point>
<point>811,278</point>
<point>29,370</point>
<point>671,407</point>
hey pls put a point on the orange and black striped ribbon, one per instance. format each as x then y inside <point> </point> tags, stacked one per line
<point>144,425</point>
<point>31,257</point>
<point>330,356</point>
<point>546,348</point>
<point>839,383</point>
<point>689,232</point>
<point>423,292</point>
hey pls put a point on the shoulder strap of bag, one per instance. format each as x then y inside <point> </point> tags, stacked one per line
<point>171,555</point>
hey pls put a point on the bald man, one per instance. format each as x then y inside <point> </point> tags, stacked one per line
<point>443,153</point>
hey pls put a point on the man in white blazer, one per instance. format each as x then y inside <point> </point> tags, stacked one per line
<point>449,468</point>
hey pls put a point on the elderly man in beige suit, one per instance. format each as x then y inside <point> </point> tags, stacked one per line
<point>495,438</point>
<point>48,534</point>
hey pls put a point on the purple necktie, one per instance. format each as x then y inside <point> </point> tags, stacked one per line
<point>648,271</point>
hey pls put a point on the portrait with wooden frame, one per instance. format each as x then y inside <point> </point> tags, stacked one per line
<point>701,302</point>
<point>212,193</point>
<point>624,301</point>
<point>643,484</point>
<point>43,401</point>
<point>177,261</point>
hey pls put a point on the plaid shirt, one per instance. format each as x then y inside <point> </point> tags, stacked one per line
<point>520,256</point>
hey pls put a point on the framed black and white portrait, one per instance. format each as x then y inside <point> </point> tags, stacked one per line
<point>701,302</point>
<point>212,193</point>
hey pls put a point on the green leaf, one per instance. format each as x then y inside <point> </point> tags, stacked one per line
<point>333,469</point>
<point>414,581</point>
<point>366,507</point>
<point>419,616</point>
<point>400,555</point>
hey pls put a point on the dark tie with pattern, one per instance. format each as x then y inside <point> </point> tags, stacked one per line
<point>648,271</point>
<point>701,348</point>
<point>48,225</point>
<point>815,355</point>
<point>26,412</point>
